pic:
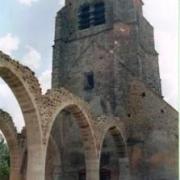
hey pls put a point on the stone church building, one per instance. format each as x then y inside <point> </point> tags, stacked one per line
<point>105,117</point>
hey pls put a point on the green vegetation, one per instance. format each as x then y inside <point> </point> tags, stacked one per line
<point>4,160</point>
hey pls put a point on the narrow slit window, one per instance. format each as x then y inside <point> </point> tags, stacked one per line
<point>89,81</point>
<point>84,17</point>
<point>99,14</point>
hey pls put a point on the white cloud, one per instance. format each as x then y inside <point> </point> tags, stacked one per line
<point>45,80</point>
<point>32,58</point>
<point>27,2</point>
<point>9,43</point>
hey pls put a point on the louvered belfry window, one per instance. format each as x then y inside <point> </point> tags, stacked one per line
<point>84,17</point>
<point>91,15</point>
<point>99,14</point>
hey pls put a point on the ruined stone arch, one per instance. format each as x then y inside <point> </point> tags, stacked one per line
<point>116,128</point>
<point>9,131</point>
<point>60,99</point>
<point>106,123</point>
<point>26,89</point>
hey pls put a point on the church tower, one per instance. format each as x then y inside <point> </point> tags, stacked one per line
<point>100,45</point>
<point>104,53</point>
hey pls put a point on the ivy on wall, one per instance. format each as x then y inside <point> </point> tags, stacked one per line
<point>4,160</point>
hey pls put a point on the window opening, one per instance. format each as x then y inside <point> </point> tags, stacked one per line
<point>91,15</point>
<point>99,14</point>
<point>84,17</point>
<point>89,81</point>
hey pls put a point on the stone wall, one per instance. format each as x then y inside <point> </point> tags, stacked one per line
<point>154,124</point>
<point>106,90</point>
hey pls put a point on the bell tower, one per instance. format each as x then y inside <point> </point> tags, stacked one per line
<point>100,46</point>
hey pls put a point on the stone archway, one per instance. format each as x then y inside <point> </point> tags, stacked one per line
<point>113,155</point>
<point>60,100</point>
<point>26,89</point>
<point>10,133</point>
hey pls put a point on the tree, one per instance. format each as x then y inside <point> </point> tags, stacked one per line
<point>4,160</point>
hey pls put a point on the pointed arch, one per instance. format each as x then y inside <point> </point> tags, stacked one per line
<point>113,154</point>
<point>60,100</point>
<point>26,89</point>
<point>10,133</point>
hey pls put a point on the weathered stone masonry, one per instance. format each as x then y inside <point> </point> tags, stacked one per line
<point>100,62</point>
<point>104,117</point>
<point>159,129</point>
<point>47,107</point>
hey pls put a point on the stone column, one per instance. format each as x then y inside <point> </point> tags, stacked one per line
<point>92,169</point>
<point>15,165</point>
<point>15,174</point>
<point>36,163</point>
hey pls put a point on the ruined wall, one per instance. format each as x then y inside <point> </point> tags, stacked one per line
<point>121,57</point>
<point>148,133</point>
<point>154,126</point>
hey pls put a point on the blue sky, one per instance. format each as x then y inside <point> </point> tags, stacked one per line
<point>27,33</point>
